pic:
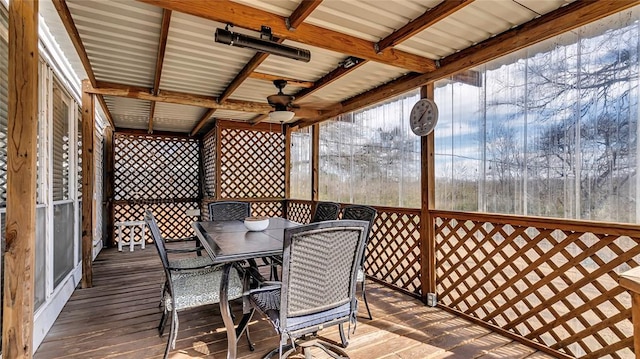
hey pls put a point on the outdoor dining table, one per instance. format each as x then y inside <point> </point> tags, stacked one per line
<point>229,242</point>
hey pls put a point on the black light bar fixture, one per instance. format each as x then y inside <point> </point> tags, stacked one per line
<point>264,44</point>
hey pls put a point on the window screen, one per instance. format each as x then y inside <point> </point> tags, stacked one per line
<point>60,143</point>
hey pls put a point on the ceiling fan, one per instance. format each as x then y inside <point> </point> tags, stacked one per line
<point>281,103</point>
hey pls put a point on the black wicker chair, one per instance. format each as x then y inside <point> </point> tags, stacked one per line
<point>229,211</point>
<point>326,211</point>
<point>319,270</point>
<point>362,213</point>
<point>187,286</point>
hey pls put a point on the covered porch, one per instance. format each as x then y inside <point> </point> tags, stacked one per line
<point>503,233</point>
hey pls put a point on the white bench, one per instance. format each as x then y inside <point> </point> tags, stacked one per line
<point>132,229</point>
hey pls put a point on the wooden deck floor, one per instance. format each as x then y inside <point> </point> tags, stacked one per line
<point>117,318</point>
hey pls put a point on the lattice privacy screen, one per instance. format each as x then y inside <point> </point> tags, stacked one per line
<point>157,172</point>
<point>155,167</point>
<point>252,164</point>
<point>556,287</point>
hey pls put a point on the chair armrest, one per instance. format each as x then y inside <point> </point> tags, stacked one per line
<point>190,238</point>
<point>271,283</point>
<point>182,269</point>
<point>184,250</point>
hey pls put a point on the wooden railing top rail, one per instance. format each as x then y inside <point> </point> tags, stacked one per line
<point>620,229</point>
<point>630,280</point>
<point>401,210</point>
<point>155,200</point>
<point>251,199</point>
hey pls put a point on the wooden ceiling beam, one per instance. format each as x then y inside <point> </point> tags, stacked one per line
<point>298,15</point>
<point>303,11</point>
<point>380,93</point>
<point>436,14</point>
<point>424,21</point>
<point>182,98</point>
<point>162,47</point>
<point>246,71</point>
<point>557,22</point>
<point>290,81</point>
<point>251,18</point>
<point>428,18</point>
<point>70,26</point>
<point>152,112</point>
<point>203,121</point>
<point>105,108</point>
<point>327,79</point>
<point>256,120</point>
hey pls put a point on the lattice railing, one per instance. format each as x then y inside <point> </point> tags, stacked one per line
<point>551,281</point>
<point>394,249</point>
<point>171,218</point>
<point>393,252</point>
<point>299,211</point>
<point>267,209</point>
<point>258,208</point>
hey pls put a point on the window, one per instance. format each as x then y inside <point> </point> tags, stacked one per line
<point>548,131</point>
<point>371,156</point>
<point>79,149</point>
<point>63,207</point>
<point>60,143</point>
<point>300,167</point>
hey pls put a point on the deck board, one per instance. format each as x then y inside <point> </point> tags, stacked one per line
<point>117,318</point>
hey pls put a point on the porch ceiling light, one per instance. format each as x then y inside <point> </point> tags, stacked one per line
<point>281,116</point>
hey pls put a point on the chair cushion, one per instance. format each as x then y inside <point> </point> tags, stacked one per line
<point>268,302</point>
<point>200,287</point>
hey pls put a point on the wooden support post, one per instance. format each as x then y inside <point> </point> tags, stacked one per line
<point>108,189</point>
<point>19,258</point>
<point>201,177</point>
<point>630,280</point>
<point>636,323</point>
<point>427,235</point>
<point>88,183</point>
<point>315,162</point>
<point>218,164</point>
<point>287,170</point>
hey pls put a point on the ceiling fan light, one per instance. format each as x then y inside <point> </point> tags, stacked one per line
<point>281,116</point>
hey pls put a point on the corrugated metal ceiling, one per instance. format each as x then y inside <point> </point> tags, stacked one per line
<point>175,118</point>
<point>121,38</point>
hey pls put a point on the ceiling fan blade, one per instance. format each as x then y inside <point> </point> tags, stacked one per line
<point>279,99</point>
